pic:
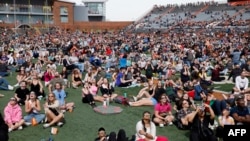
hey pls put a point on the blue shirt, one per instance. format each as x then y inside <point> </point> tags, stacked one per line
<point>60,95</point>
<point>123,62</point>
<point>118,79</point>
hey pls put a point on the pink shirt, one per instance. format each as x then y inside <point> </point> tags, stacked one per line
<point>48,77</point>
<point>163,108</point>
<point>12,114</point>
<point>93,90</point>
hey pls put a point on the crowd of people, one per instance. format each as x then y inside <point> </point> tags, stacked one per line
<point>175,70</point>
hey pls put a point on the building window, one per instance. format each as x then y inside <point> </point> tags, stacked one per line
<point>95,8</point>
<point>63,10</point>
<point>64,14</point>
<point>64,19</point>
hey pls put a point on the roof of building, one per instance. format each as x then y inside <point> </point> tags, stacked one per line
<point>69,1</point>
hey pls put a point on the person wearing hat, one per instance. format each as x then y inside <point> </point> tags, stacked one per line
<point>240,112</point>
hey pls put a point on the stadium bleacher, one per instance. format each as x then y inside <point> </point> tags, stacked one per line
<point>194,14</point>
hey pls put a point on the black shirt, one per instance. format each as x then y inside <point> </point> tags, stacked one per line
<point>21,93</point>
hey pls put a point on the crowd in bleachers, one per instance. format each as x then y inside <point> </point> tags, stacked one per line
<point>163,17</point>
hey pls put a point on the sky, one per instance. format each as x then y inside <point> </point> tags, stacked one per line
<point>131,10</point>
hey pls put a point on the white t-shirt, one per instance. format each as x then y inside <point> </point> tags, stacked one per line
<point>241,82</point>
<point>150,130</point>
<point>73,59</point>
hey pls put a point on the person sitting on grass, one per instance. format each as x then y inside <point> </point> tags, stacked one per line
<point>22,93</point>
<point>87,97</point>
<point>52,112</point>
<point>217,105</point>
<point>4,84</point>
<point>184,115</point>
<point>107,90</point>
<point>64,74</point>
<point>101,135</point>
<point>76,78</point>
<point>172,90</point>
<point>241,84</point>
<point>57,79</point>
<point>21,76</point>
<point>121,135</point>
<point>240,112</point>
<point>13,115</point>
<point>120,79</point>
<point>178,104</point>
<point>162,112</point>
<point>200,121</point>
<point>60,96</point>
<point>37,86</point>
<point>224,119</point>
<point>146,130</point>
<point>33,108</point>
<point>48,75</point>
<point>93,89</point>
<point>149,93</point>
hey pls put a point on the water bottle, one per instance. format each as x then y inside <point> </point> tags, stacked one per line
<point>107,101</point>
<point>104,103</point>
<point>125,95</point>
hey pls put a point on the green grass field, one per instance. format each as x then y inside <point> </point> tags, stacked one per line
<point>82,124</point>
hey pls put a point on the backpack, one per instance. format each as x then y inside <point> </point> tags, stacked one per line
<point>121,100</point>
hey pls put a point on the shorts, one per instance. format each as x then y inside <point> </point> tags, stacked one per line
<point>154,101</point>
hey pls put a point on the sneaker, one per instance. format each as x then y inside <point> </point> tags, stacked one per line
<point>16,85</point>
<point>59,124</point>
<point>135,98</point>
<point>20,128</point>
<point>170,123</point>
<point>27,123</point>
<point>10,130</point>
<point>129,103</point>
<point>46,125</point>
<point>161,125</point>
<point>10,87</point>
